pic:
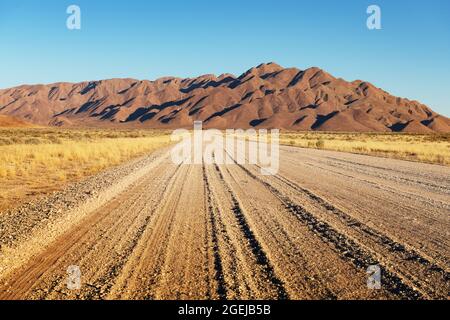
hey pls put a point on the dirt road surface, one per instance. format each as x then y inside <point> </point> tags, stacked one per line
<point>227,232</point>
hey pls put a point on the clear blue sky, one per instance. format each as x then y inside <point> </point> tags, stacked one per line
<point>409,57</point>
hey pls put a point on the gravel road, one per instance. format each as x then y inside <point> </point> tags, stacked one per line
<point>151,229</point>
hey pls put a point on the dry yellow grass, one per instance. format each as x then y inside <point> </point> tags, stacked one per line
<point>423,148</point>
<point>38,161</point>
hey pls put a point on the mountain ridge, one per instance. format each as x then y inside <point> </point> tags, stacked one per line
<point>265,96</point>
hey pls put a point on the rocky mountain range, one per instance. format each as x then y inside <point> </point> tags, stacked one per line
<point>267,96</point>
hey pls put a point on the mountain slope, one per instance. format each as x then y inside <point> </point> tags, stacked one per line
<point>267,96</point>
<point>11,122</point>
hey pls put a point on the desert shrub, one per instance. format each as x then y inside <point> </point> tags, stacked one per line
<point>5,142</point>
<point>16,140</point>
<point>320,143</point>
<point>54,140</point>
<point>32,141</point>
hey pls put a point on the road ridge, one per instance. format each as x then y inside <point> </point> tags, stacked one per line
<point>254,244</point>
<point>218,266</point>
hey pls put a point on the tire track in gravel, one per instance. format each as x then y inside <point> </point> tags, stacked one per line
<point>243,276</point>
<point>412,266</point>
<point>255,246</point>
<point>188,272</point>
<point>409,213</point>
<point>347,248</point>
<point>218,265</point>
<point>408,196</point>
<point>355,166</point>
<point>308,267</point>
<point>398,253</point>
<point>99,245</point>
<point>142,271</point>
